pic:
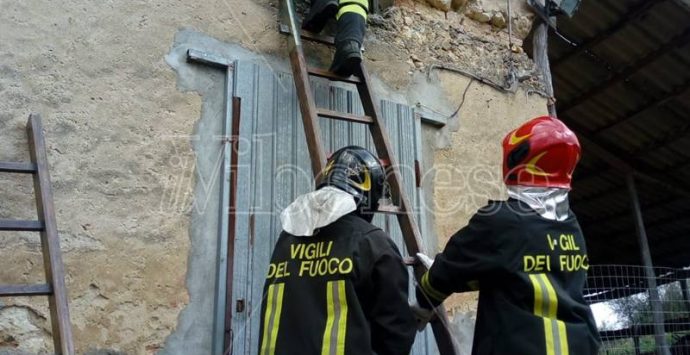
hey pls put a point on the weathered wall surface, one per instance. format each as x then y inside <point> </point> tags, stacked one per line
<point>118,133</point>
<point>468,171</point>
<point>465,165</point>
<point>460,64</point>
<point>124,147</point>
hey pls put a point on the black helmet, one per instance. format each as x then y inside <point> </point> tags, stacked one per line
<point>356,171</point>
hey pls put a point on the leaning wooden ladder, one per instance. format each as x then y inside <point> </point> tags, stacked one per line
<point>310,117</point>
<point>50,245</point>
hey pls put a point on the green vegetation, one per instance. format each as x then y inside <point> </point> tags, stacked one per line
<point>636,311</point>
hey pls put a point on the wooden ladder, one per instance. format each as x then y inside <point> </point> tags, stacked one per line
<point>310,117</point>
<point>50,244</point>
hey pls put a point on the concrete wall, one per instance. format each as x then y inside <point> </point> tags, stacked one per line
<point>128,146</point>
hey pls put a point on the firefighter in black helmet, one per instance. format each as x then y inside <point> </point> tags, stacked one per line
<point>351,18</point>
<point>336,284</point>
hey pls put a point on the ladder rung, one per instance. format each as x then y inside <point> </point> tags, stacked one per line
<point>332,76</point>
<point>309,36</point>
<point>13,167</point>
<point>410,260</point>
<point>25,290</point>
<point>344,116</point>
<point>21,226</point>
<point>389,209</point>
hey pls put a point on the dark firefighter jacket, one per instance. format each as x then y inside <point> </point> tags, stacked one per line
<point>343,291</point>
<point>530,273</point>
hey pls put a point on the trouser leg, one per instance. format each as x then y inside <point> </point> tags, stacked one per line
<point>352,19</point>
<point>320,12</point>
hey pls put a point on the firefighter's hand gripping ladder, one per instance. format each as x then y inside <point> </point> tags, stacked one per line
<point>310,117</point>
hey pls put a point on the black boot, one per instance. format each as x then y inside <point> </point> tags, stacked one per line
<point>347,58</point>
<point>320,12</point>
<point>348,44</point>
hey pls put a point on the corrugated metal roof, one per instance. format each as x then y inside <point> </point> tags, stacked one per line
<point>626,83</point>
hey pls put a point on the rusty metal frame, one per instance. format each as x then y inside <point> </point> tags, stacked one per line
<point>222,318</point>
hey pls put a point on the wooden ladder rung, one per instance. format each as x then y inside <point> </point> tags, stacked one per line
<point>410,260</point>
<point>332,76</point>
<point>344,116</point>
<point>309,36</point>
<point>25,290</point>
<point>14,167</point>
<point>390,209</point>
<point>21,226</point>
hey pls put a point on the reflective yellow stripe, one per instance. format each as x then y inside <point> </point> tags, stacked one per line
<point>548,333</point>
<point>539,310</point>
<point>430,290</point>
<point>538,300</point>
<point>325,348</point>
<point>553,299</point>
<point>562,335</point>
<point>546,307</point>
<point>267,320</point>
<point>336,324</point>
<point>276,321</point>
<point>342,322</point>
<point>274,307</point>
<point>362,3</point>
<point>351,8</point>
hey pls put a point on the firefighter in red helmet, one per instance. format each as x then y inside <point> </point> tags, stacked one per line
<point>526,256</point>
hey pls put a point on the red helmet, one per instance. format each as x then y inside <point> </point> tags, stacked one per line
<point>542,152</point>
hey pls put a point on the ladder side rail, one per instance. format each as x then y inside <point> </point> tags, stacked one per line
<point>17,167</point>
<point>25,290</point>
<point>408,227</point>
<point>384,150</point>
<point>307,105</point>
<point>50,244</point>
<point>312,130</point>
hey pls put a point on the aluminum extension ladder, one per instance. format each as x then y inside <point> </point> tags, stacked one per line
<point>310,117</point>
<point>50,244</point>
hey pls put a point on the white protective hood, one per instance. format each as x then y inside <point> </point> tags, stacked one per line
<point>315,210</point>
<point>550,202</point>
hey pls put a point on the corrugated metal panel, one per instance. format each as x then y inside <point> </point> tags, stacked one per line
<point>275,168</point>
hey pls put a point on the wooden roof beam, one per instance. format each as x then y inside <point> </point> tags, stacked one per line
<point>628,71</point>
<point>629,17</point>
<point>622,162</point>
<point>664,99</point>
<point>645,207</point>
<point>605,222</point>
<point>621,234</point>
<point>664,142</point>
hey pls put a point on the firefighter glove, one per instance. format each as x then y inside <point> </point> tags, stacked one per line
<point>422,315</point>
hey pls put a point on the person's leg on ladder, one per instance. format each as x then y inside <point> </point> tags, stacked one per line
<point>319,13</point>
<point>352,21</point>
